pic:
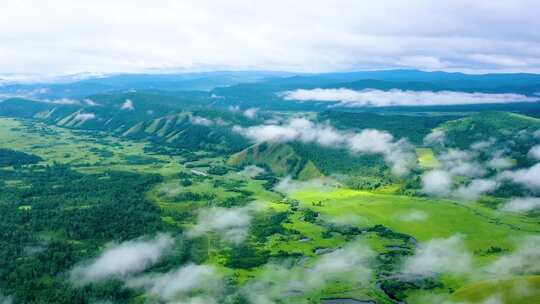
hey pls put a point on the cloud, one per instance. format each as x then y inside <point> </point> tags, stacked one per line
<point>65,101</point>
<point>251,171</point>
<point>127,105</point>
<point>5,299</point>
<point>395,97</point>
<point>439,256</point>
<point>529,177</point>
<point>84,116</point>
<point>525,259</point>
<point>398,154</point>
<point>90,102</point>
<point>251,113</point>
<point>536,133</point>
<point>231,224</point>
<point>534,152</point>
<point>287,185</point>
<point>414,216</point>
<point>278,283</point>
<point>475,189</point>
<point>187,284</point>
<point>461,162</point>
<point>482,145</point>
<point>522,204</point>
<point>122,260</point>
<point>436,183</point>
<point>275,35</point>
<point>499,163</point>
<point>198,120</point>
<point>435,137</point>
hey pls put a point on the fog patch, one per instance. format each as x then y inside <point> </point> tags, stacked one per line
<point>287,185</point>
<point>436,137</point>
<point>498,162</point>
<point>252,171</point>
<point>524,260</point>
<point>398,154</point>
<point>65,101</point>
<point>534,152</point>
<point>187,284</point>
<point>231,224</point>
<point>122,260</point>
<point>5,299</point>
<point>436,183</point>
<point>90,102</point>
<point>529,177</point>
<point>475,189</point>
<point>127,105</point>
<point>84,116</point>
<point>439,256</point>
<point>521,204</point>
<point>251,113</point>
<point>199,120</point>
<point>395,97</point>
<point>414,216</point>
<point>277,283</point>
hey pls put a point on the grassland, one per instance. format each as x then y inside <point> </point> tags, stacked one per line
<point>422,218</point>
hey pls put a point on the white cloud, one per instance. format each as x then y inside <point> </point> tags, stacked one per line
<point>251,113</point>
<point>65,101</point>
<point>475,189</point>
<point>522,204</point>
<point>437,183</point>
<point>395,97</point>
<point>187,284</point>
<point>534,152</point>
<point>127,105</point>
<point>398,154</point>
<point>251,171</point>
<point>287,185</point>
<point>5,299</point>
<point>525,259</point>
<point>277,283</point>
<point>90,102</point>
<point>199,120</point>
<point>536,133</point>
<point>84,116</point>
<point>122,260</point>
<point>529,177</point>
<point>435,137</point>
<point>439,256</point>
<point>61,36</point>
<point>500,163</point>
<point>414,216</point>
<point>231,224</point>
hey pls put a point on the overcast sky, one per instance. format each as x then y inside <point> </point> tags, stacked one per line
<point>70,36</point>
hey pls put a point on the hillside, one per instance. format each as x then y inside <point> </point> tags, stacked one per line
<point>281,159</point>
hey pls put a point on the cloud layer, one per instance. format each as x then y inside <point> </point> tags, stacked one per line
<point>397,153</point>
<point>395,97</point>
<point>124,259</point>
<point>61,36</point>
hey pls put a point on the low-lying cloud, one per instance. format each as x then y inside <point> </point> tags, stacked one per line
<point>395,97</point>
<point>231,224</point>
<point>436,183</point>
<point>524,260</point>
<point>84,116</point>
<point>521,204</point>
<point>439,256</point>
<point>122,260</point>
<point>397,153</point>
<point>128,105</point>
<point>187,284</point>
<point>529,177</point>
<point>277,283</point>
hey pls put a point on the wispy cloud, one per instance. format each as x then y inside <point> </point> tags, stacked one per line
<point>121,260</point>
<point>231,224</point>
<point>378,98</point>
<point>439,256</point>
<point>128,105</point>
<point>397,153</point>
<point>522,204</point>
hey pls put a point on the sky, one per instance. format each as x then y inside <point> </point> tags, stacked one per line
<point>57,37</point>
